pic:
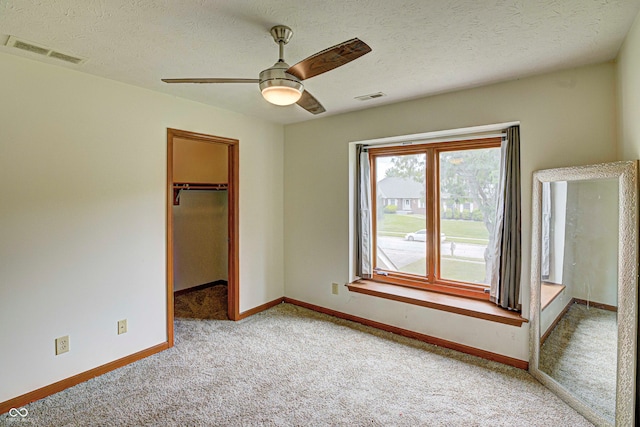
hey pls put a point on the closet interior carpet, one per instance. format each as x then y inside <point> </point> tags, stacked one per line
<point>208,303</point>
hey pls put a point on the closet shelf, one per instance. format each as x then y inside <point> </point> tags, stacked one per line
<point>178,187</point>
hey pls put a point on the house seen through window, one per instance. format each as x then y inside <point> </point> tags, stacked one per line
<point>434,210</point>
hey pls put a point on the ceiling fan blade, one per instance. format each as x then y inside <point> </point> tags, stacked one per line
<point>211,80</point>
<point>309,103</point>
<point>329,59</point>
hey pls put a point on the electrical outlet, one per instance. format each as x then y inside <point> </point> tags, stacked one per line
<point>122,326</point>
<point>334,288</point>
<point>62,345</point>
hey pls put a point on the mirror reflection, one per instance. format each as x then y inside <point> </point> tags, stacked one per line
<point>579,286</point>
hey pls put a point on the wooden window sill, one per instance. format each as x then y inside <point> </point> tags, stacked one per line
<point>549,292</point>
<point>454,304</point>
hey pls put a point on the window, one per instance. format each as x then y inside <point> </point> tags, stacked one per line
<point>443,245</point>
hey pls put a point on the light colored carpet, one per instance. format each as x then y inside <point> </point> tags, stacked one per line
<point>289,366</point>
<point>209,303</point>
<point>581,354</point>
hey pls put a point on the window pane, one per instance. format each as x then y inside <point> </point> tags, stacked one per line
<point>401,214</point>
<point>468,188</point>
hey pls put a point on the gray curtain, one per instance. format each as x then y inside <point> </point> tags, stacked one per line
<point>364,268</point>
<point>505,283</point>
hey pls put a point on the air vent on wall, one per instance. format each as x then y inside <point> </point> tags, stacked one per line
<point>43,50</point>
<point>370,96</point>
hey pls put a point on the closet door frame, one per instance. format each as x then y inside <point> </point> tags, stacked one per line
<point>233,307</point>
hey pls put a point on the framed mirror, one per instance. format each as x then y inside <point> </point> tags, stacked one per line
<point>584,270</point>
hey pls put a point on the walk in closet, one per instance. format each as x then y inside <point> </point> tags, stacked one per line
<point>200,214</point>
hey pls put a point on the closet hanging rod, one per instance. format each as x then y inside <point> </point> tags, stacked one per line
<point>178,187</point>
<point>200,186</point>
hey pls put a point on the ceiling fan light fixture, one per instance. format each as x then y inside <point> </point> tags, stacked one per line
<point>281,91</point>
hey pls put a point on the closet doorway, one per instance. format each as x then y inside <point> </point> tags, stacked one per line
<point>202,217</point>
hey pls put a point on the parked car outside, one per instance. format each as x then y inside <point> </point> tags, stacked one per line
<point>421,236</point>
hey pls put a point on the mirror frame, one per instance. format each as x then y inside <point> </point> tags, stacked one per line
<point>627,316</point>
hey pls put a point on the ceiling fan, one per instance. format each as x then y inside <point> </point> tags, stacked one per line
<point>282,84</point>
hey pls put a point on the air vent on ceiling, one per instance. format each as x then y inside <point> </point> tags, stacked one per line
<point>370,96</point>
<point>43,50</point>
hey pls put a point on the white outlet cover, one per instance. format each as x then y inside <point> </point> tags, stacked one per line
<point>122,326</point>
<point>62,345</point>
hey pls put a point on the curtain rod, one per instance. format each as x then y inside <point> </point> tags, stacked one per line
<point>435,140</point>
<point>472,130</point>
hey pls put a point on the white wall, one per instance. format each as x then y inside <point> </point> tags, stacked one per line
<point>591,249</point>
<point>200,239</point>
<point>567,118</point>
<point>590,245</point>
<point>558,227</point>
<point>628,85</point>
<point>200,220</point>
<point>82,216</point>
<point>551,312</point>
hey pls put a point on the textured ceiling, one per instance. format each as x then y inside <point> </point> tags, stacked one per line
<point>420,48</point>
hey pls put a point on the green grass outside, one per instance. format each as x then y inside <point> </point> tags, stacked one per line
<point>461,258</point>
<point>401,223</point>
<point>463,240</point>
<point>459,231</point>
<point>461,228</point>
<point>453,269</point>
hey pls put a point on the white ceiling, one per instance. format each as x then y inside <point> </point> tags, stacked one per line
<point>420,48</point>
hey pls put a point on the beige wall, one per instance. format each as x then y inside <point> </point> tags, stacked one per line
<point>567,118</point>
<point>628,85</point>
<point>83,216</point>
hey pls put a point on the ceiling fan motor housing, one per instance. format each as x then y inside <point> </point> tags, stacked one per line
<point>276,78</point>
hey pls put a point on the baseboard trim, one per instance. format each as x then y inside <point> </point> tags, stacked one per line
<point>595,304</point>
<point>260,308</point>
<point>506,360</point>
<point>56,387</point>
